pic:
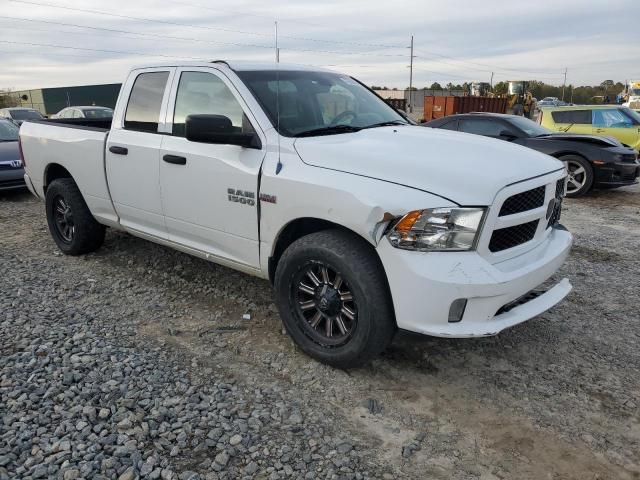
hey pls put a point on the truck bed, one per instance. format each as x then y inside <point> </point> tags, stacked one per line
<point>77,146</point>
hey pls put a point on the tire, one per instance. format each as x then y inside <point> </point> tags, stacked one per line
<point>71,224</point>
<point>581,182</point>
<point>361,305</point>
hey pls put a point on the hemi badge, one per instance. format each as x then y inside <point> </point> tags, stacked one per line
<point>268,198</point>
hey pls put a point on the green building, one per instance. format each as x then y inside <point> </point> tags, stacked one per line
<point>51,100</point>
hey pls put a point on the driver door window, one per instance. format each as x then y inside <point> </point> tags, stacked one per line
<point>204,93</point>
<point>481,127</point>
<point>612,118</point>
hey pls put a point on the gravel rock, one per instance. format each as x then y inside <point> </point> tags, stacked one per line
<point>129,362</point>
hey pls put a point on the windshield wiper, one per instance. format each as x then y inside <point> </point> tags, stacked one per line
<point>387,124</point>
<point>328,130</point>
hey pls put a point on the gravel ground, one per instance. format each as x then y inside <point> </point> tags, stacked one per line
<point>136,362</point>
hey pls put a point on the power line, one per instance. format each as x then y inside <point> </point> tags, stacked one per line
<point>491,68</point>
<point>102,50</point>
<point>154,35</point>
<point>205,27</point>
<point>191,39</point>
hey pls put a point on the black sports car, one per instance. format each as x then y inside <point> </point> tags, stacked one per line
<point>11,169</point>
<point>592,161</point>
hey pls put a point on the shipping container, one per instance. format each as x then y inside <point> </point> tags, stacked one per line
<point>438,107</point>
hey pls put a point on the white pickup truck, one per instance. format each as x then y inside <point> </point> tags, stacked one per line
<point>363,222</point>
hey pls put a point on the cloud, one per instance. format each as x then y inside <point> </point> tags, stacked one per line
<point>369,39</point>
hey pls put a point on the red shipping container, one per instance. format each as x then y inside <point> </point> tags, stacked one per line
<point>438,107</point>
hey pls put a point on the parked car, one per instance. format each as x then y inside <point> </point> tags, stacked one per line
<point>592,161</point>
<point>548,102</point>
<point>11,170</point>
<point>19,114</point>
<point>84,112</point>
<point>363,223</point>
<point>610,120</point>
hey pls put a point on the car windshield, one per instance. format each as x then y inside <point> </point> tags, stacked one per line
<point>25,115</point>
<point>8,131</point>
<point>531,128</point>
<point>317,103</point>
<point>97,112</point>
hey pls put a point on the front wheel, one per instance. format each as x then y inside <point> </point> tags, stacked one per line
<point>333,298</point>
<point>580,175</point>
<point>71,224</point>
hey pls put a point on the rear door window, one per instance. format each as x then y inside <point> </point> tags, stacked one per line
<point>577,117</point>
<point>145,102</point>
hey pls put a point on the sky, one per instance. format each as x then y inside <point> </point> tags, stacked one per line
<point>53,43</point>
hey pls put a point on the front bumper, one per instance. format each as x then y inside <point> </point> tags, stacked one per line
<point>616,174</point>
<point>424,285</point>
<point>11,179</point>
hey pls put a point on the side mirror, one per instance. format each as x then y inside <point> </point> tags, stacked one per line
<point>218,129</point>
<point>507,135</point>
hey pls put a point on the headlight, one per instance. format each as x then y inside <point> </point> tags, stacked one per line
<point>437,229</point>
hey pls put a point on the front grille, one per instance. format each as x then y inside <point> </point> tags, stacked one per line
<point>557,208</point>
<point>522,202</point>
<point>510,237</point>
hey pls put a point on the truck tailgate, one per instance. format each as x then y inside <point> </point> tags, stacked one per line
<point>77,149</point>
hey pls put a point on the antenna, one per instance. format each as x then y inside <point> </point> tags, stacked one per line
<point>279,165</point>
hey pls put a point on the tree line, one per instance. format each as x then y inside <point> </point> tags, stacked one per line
<point>575,94</point>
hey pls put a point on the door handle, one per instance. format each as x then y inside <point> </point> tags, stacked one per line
<point>118,150</point>
<point>599,130</point>
<point>176,160</point>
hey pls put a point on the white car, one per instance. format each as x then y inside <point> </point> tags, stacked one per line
<point>364,223</point>
<point>84,112</point>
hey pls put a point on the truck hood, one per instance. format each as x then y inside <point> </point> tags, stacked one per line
<point>463,168</point>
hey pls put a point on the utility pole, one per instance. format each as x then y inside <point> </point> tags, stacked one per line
<point>491,82</point>
<point>564,83</point>
<point>409,103</point>
<point>277,49</point>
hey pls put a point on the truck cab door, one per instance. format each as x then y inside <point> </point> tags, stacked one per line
<point>210,191</point>
<point>133,151</point>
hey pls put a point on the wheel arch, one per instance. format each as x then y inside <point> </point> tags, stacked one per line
<point>54,171</point>
<point>298,228</point>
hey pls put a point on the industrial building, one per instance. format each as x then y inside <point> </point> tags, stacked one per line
<point>51,100</point>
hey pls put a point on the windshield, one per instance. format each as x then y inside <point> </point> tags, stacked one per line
<point>634,92</point>
<point>8,131</point>
<point>25,115</point>
<point>97,112</point>
<point>310,101</point>
<point>531,128</point>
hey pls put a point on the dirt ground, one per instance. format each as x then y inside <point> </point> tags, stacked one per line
<point>555,398</point>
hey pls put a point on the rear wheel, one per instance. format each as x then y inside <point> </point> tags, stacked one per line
<point>71,224</point>
<point>333,298</point>
<point>580,175</point>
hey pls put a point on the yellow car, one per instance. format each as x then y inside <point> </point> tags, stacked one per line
<point>607,120</point>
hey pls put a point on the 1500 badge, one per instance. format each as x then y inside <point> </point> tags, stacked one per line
<point>241,196</point>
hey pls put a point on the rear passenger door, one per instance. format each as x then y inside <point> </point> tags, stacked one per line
<point>572,121</point>
<point>210,197</point>
<point>133,151</point>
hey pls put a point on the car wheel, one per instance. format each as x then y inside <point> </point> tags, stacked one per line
<point>333,298</point>
<point>71,224</point>
<point>580,175</point>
